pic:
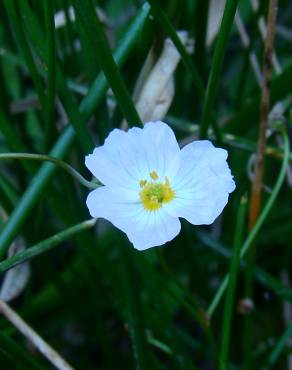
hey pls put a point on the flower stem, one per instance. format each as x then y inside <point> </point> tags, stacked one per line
<point>40,157</point>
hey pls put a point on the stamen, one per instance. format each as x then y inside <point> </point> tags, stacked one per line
<point>142,183</point>
<point>154,175</point>
<point>155,194</point>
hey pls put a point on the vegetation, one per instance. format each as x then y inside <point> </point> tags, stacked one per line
<point>215,297</point>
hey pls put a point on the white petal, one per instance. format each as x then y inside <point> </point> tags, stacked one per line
<point>154,229</point>
<point>144,229</point>
<point>128,157</point>
<point>160,146</point>
<point>115,162</point>
<point>202,180</point>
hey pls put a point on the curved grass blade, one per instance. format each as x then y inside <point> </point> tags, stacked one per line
<point>45,245</point>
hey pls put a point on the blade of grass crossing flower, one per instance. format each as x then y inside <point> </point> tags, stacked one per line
<point>253,233</point>
<point>62,146</point>
<point>233,275</point>
<point>45,245</point>
<point>217,62</point>
<point>15,19</point>
<point>51,66</point>
<point>95,33</point>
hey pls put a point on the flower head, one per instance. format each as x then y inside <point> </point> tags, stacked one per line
<point>149,183</point>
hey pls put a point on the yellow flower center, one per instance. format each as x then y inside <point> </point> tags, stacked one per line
<point>154,194</point>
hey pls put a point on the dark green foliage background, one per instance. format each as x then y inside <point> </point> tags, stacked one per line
<point>96,300</point>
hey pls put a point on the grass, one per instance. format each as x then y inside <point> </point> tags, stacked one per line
<point>90,295</point>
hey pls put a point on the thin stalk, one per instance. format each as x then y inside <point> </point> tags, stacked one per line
<point>257,184</point>
<point>51,66</point>
<point>253,233</point>
<point>45,245</point>
<point>40,157</point>
<point>217,62</point>
<point>265,107</point>
<point>230,295</point>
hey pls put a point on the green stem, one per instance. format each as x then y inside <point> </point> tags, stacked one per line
<point>253,233</point>
<point>40,157</point>
<point>217,62</point>
<point>45,245</point>
<point>234,268</point>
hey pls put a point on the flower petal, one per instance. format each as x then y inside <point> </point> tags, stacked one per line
<point>144,229</point>
<point>154,229</point>
<point>160,145</point>
<point>202,180</point>
<point>128,157</point>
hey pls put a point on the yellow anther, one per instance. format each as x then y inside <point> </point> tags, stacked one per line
<point>154,194</point>
<point>154,175</point>
<point>142,183</point>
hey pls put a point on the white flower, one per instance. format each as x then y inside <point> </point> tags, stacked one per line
<point>150,183</point>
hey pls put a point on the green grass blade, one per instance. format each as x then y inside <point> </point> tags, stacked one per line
<point>17,354</point>
<point>15,19</point>
<point>13,140</point>
<point>230,295</point>
<point>217,62</point>
<point>187,60</point>
<point>278,348</point>
<point>45,245</point>
<point>38,41</point>
<point>33,192</point>
<point>87,106</point>
<point>95,33</point>
<point>252,235</point>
